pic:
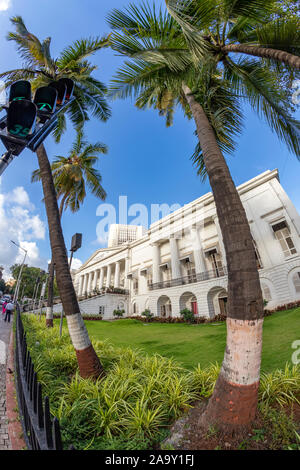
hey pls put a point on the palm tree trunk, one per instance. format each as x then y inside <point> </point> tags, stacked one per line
<point>265,53</point>
<point>88,361</point>
<point>234,401</point>
<point>49,311</point>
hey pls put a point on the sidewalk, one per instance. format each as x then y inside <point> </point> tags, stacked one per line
<point>5,329</point>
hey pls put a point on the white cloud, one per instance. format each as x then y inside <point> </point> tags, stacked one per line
<point>20,223</point>
<point>76,264</point>
<point>5,5</point>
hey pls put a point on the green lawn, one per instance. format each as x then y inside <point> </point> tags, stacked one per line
<point>193,344</point>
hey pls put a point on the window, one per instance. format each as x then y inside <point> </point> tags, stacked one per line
<point>191,272</point>
<point>101,310</point>
<point>266,292</point>
<point>135,286</point>
<point>283,235</point>
<point>296,281</point>
<point>216,261</point>
<point>257,256</point>
<point>134,308</point>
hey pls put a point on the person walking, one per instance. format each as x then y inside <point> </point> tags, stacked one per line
<point>9,310</point>
<point>4,307</point>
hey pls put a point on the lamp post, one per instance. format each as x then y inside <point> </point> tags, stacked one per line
<point>75,245</point>
<point>16,294</point>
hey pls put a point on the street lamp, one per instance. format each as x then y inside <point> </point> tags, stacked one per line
<point>75,245</point>
<point>16,294</point>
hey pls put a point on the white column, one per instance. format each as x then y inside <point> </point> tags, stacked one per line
<point>156,263</point>
<point>108,277</point>
<point>85,283</point>
<point>126,280</point>
<point>220,238</point>
<point>199,258</point>
<point>117,275</point>
<point>95,279</point>
<point>101,281</point>
<point>80,289</point>
<point>89,286</point>
<point>175,263</point>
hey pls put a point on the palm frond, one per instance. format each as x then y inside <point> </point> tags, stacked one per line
<point>257,84</point>
<point>80,50</point>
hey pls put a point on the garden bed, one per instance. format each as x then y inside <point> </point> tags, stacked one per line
<point>139,399</point>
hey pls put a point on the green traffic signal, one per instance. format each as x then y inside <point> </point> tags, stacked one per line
<point>21,118</point>
<point>45,99</point>
<point>20,90</point>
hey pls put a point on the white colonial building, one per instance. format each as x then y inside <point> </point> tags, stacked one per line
<point>179,262</point>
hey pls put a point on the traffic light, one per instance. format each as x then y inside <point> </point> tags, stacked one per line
<point>21,112</point>
<point>45,99</point>
<point>21,118</point>
<point>61,88</point>
<point>70,87</point>
<point>20,90</point>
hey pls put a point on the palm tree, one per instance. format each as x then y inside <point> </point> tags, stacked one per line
<point>73,175</point>
<point>163,73</point>
<point>219,27</point>
<point>41,68</point>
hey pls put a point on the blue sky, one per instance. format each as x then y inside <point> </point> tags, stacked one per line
<point>147,162</point>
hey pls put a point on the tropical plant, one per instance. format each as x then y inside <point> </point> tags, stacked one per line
<point>72,176</point>
<point>165,72</point>
<point>220,27</point>
<point>139,395</point>
<point>188,316</point>
<point>118,313</point>
<point>41,68</point>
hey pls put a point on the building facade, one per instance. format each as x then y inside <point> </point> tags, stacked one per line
<point>180,261</point>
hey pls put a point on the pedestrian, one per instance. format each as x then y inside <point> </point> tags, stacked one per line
<point>9,310</point>
<point>4,307</point>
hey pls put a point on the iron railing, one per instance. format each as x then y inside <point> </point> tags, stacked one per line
<point>192,278</point>
<point>40,431</point>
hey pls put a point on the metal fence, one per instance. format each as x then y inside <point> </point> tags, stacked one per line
<point>40,431</point>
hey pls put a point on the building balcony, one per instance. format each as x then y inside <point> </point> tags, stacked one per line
<point>191,279</point>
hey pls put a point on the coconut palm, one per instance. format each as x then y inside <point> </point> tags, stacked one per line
<point>164,73</point>
<point>73,176</point>
<point>41,68</point>
<point>219,27</point>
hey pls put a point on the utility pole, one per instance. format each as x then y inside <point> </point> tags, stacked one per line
<point>16,294</point>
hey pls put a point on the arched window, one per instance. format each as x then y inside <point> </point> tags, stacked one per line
<point>266,292</point>
<point>296,281</point>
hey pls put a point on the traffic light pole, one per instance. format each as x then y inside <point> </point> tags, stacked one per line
<point>5,160</point>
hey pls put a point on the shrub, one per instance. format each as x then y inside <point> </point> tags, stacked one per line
<point>118,313</point>
<point>147,314</point>
<point>188,316</point>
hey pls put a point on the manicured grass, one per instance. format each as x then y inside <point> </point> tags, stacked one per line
<point>204,344</point>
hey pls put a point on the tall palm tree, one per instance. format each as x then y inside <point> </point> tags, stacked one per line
<point>41,68</point>
<point>163,72</point>
<point>219,27</point>
<point>72,176</point>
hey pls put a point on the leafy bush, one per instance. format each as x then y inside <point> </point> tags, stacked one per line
<point>118,313</point>
<point>147,314</point>
<point>188,316</point>
<point>140,395</point>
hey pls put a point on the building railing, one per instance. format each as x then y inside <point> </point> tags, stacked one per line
<point>104,291</point>
<point>40,431</point>
<point>190,279</point>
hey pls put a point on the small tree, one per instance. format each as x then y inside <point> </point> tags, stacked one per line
<point>118,313</point>
<point>187,315</point>
<point>147,314</point>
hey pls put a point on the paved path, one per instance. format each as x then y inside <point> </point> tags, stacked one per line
<point>5,329</point>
